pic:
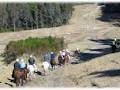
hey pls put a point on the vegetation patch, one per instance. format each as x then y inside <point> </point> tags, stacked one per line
<point>36,46</point>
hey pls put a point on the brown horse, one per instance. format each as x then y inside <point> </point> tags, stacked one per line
<point>60,60</point>
<point>63,61</point>
<point>66,59</point>
<point>20,75</point>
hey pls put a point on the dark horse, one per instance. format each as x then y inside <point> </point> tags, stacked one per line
<point>20,75</point>
<point>113,48</point>
<point>63,61</point>
<point>53,64</point>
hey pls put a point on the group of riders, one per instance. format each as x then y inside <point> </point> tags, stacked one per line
<point>48,60</point>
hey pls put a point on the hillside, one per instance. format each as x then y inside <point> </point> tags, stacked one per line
<point>89,34</point>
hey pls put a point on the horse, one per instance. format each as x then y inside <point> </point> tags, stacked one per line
<point>53,63</point>
<point>60,60</point>
<point>45,66</point>
<point>77,53</point>
<point>113,47</point>
<point>63,61</point>
<point>20,75</point>
<point>32,69</point>
<point>66,59</point>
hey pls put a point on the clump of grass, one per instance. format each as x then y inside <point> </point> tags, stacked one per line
<point>36,46</point>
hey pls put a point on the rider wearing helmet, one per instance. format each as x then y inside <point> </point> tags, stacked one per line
<point>77,52</point>
<point>52,56</point>
<point>63,54</point>
<point>31,60</point>
<point>114,45</point>
<point>114,41</point>
<point>16,66</point>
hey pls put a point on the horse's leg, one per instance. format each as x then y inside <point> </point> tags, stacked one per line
<point>67,61</point>
<point>26,78</point>
<point>34,74</point>
<point>22,80</point>
<point>64,62</point>
<point>44,70</point>
<point>52,66</point>
<point>17,82</point>
<point>60,62</point>
<point>14,80</point>
<point>30,76</point>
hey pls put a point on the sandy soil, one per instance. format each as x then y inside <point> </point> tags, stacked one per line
<point>84,31</point>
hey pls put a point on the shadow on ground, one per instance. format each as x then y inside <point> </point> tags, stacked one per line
<point>106,73</point>
<point>39,73</point>
<point>11,80</point>
<point>98,52</point>
<point>9,84</point>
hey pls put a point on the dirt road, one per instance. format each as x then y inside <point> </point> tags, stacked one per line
<point>84,31</point>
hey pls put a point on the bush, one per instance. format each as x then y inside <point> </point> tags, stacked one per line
<point>36,46</point>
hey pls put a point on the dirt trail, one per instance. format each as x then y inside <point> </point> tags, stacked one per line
<point>82,31</point>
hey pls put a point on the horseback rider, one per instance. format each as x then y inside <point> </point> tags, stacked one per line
<point>21,72</point>
<point>22,64</point>
<point>16,66</point>
<point>114,41</point>
<point>31,60</point>
<point>77,52</point>
<point>52,60</point>
<point>114,45</point>
<point>62,54</point>
<point>52,56</point>
<point>47,57</point>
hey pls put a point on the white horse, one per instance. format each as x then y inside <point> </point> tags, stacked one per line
<point>32,69</point>
<point>45,66</point>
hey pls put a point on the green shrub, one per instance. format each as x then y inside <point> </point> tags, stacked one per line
<point>36,46</point>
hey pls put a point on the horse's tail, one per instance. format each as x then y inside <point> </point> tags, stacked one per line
<point>45,68</point>
<point>66,59</point>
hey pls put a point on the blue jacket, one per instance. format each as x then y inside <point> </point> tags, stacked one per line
<point>22,65</point>
<point>47,57</point>
<point>16,65</point>
<point>52,56</point>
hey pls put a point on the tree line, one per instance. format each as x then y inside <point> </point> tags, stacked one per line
<point>26,16</point>
<point>111,7</point>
